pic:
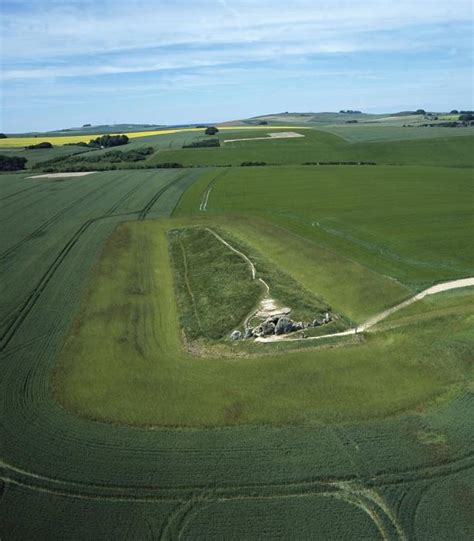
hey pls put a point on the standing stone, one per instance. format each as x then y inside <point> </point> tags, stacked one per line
<point>236,335</point>
<point>268,327</point>
<point>284,325</point>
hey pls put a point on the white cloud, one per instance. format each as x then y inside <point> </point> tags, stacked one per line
<point>53,30</point>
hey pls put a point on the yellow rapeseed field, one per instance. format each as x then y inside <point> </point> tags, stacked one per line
<point>12,142</point>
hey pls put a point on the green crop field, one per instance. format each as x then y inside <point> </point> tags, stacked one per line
<point>126,411</point>
<point>322,146</point>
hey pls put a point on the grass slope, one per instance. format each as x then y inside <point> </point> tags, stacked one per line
<point>124,361</point>
<point>215,288</point>
<point>214,285</point>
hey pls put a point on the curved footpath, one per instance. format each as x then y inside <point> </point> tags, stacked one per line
<point>438,288</point>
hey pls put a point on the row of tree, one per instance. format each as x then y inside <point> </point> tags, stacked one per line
<point>113,156</point>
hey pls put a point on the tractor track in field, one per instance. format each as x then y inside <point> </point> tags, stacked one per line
<point>359,492</point>
<point>28,304</point>
<point>142,214</point>
<point>40,230</point>
<point>207,192</point>
<point>352,483</point>
<point>19,192</point>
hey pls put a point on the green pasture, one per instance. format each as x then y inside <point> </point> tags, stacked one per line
<point>322,146</point>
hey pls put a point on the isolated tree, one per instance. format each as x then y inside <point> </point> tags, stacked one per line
<point>454,112</point>
<point>211,130</point>
<point>3,136</point>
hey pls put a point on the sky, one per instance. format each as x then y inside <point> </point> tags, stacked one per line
<point>66,63</point>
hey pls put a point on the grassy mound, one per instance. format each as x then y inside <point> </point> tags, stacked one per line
<point>215,288</point>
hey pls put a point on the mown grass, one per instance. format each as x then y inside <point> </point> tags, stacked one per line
<point>124,362</point>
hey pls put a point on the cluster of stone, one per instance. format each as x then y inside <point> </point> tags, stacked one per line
<point>279,324</point>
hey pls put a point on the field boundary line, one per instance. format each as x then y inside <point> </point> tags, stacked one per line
<point>33,297</point>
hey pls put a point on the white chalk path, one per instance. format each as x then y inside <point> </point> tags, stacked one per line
<point>267,304</point>
<point>238,252</point>
<point>433,290</point>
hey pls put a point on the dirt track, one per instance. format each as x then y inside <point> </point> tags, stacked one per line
<point>438,288</point>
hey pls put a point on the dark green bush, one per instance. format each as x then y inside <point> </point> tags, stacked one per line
<point>12,163</point>
<point>44,144</point>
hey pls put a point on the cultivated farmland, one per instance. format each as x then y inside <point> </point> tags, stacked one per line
<point>128,413</point>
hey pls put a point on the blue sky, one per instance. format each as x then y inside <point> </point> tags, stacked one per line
<point>66,63</point>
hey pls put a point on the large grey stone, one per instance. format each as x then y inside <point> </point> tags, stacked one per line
<point>268,327</point>
<point>235,335</point>
<point>284,325</point>
<point>248,333</point>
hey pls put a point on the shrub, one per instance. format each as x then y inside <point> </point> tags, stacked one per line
<point>203,143</point>
<point>12,163</point>
<point>45,144</point>
<point>168,165</point>
<point>250,164</point>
